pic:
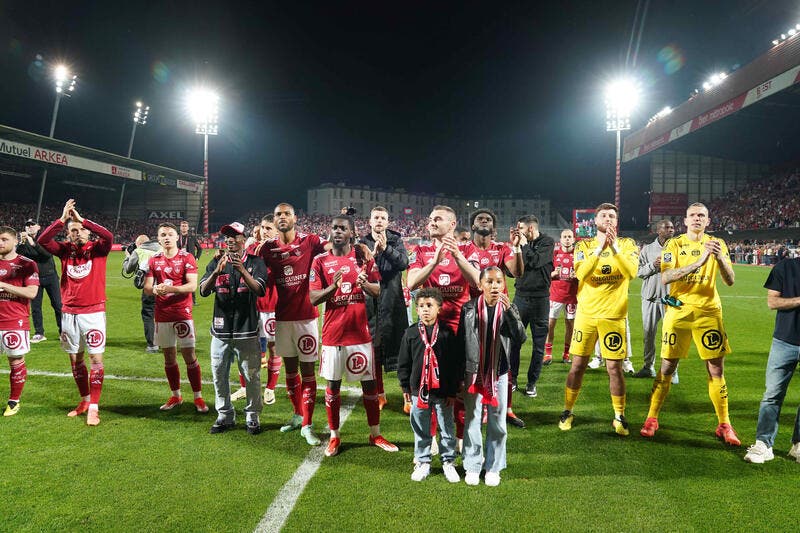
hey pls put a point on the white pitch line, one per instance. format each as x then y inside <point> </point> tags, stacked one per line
<point>283,504</point>
<point>48,374</point>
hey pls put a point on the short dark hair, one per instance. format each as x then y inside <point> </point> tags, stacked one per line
<point>528,220</point>
<point>268,218</point>
<point>605,206</point>
<point>462,229</point>
<point>169,225</point>
<point>350,222</point>
<point>379,208</point>
<point>488,269</point>
<point>184,222</point>
<point>480,211</point>
<point>11,231</point>
<point>429,292</point>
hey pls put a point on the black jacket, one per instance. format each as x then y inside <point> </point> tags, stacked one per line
<point>190,243</point>
<point>387,314</point>
<point>538,258</point>
<point>512,332</point>
<point>449,355</point>
<point>43,258</point>
<point>235,314</point>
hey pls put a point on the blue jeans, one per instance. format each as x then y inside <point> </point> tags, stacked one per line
<point>783,359</point>
<point>496,431</point>
<point>421,425</point>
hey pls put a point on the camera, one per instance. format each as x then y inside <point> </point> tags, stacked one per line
<point>349,211</point>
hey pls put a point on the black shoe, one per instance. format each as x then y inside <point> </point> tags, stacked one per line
<point>253,428</point>
<point>645,373</point>
<point>220,426</point>
<point>515,421</point>
<point>530,390</point>
<point>513,385</point>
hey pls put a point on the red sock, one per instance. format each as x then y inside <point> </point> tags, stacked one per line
<point>333,403</point>
<point>96,383</point>
<point>370,399</point>
<point>378,378</point>
<point>81,376</point>
<point>459,412</point>
<point>434,424</point>
<point>17,378</point>
<point>195,378</point>
<point>242,382</point>
<point>309,388</point>
<point>274,368</point>
<point>293,390</point>
<point>173,373</point>
<point>548,348</point>
<point>566,348</point>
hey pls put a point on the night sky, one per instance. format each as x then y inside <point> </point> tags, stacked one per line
<point>478,97</point>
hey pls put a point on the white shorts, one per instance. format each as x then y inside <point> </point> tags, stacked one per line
<point>266,326</point>
<point>297,338</point>
<point>14,342</point>
<point>83,333</point>
<point>355,362</point>
<point>557,307</point>
<point>179,333</point>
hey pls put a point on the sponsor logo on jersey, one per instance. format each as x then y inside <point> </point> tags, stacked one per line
<point>3,271</point>
<point>695,252</point>
<point>79,271</point>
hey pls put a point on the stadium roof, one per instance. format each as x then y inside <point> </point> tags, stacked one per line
<point>760,103</point>
<point>15,143</point>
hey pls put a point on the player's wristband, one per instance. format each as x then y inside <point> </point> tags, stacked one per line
<point>516,249</point>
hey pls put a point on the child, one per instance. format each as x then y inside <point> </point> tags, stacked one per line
<point>430,366</point>
<point>490,325</point>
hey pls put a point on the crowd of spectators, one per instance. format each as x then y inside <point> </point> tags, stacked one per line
<point>765,204</point>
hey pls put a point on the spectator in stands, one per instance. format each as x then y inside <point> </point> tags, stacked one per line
<point>48,279</point>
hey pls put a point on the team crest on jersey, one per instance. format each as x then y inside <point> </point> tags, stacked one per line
<point>580,256</point>
<point>288,270</point>
<point>668,257</point>
<point>182,329</point>
<point>605,269</point>
<point>346,287</point>
<point>412,258</point>
<point>444,262</point>
<point>484,261</point>
<point>356,363</point>
<point>345,269</point>
<point>95,338</point>
<point>12,340</point>
<point>79,271</point>
<point>285,255</point>
<point>444,279</point>
<point>3,271</point>
<point>168,269</point>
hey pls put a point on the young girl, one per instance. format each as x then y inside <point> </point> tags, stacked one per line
<point>489,327</point>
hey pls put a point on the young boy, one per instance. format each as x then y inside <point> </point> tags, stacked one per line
<point>430,366</point>
<point>490,325</point>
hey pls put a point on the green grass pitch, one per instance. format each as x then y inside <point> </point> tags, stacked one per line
<point>146,470</point>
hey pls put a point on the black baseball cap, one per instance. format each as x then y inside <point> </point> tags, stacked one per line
<point>30,222</point>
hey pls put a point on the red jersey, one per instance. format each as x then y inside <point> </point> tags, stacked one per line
<point>83,268</point>
<point>172,271</point>
<point>497,254</point>
<point>289,265</point>
<point>345,321</point>
<point>19,272</point>
<point>447,278</point>
<point>266,303</point>
<point>564,288</point>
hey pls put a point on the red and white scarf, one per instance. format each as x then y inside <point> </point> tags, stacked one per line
<point>430,366</point>
<point>485,382</point>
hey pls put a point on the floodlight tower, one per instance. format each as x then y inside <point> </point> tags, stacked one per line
<point>204,107</point>
<point>621,98</point>
<point>140,115</point>
<point>62,78</point>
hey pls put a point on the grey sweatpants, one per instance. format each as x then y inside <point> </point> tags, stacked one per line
<point>652,312</point>
<point>248,357</point>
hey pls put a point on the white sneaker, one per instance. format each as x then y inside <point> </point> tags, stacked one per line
<point>675,379</point>
<point>627,366</point>
<point>421,471</point>
<point>472,478</point>
<point>459,446</point>
<point>434,447</point>
<point>269,396</point>
<point>450,472</point>
<point>492,479</point>
<point>239,394</point>
<point>595,363</point>
<point>759,453</point>
<point>794,451</point>
<point>38,338</point>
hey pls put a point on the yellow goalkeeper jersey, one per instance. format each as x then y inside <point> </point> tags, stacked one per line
<point>603,279</point>
<point>698,288</point>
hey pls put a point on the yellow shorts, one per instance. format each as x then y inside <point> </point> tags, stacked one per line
<point>610,331</point>
<point>687,323</point>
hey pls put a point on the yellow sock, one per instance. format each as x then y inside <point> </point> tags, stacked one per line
<point>718,392</point>
<point>619,405</point>
<point>661,387</point>
<point>570,397</point>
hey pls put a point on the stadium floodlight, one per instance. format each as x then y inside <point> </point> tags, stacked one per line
<point>622,96</point>
<point>203,105</point>
<point>715,79</point>
<point>140,115</point>
<point>61,78</point>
